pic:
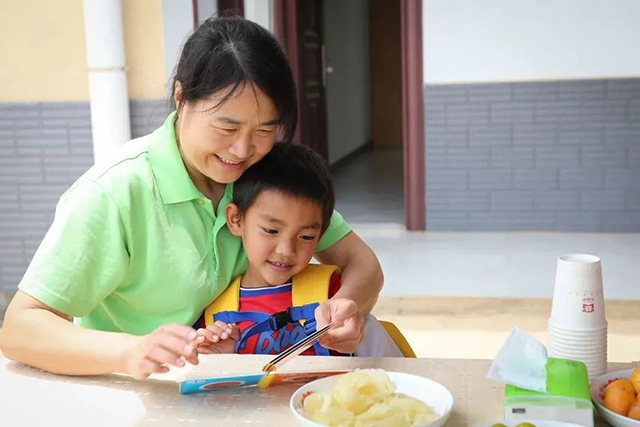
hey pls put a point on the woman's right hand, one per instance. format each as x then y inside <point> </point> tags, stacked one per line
<point>168,345</point>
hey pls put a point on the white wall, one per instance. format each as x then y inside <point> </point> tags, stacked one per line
<point>206,9</point>
<point>177,23</point>
<point>260,12</point>
<point>521,40</point>
<point>346,35</point>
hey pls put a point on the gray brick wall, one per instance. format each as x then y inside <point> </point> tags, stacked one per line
<point>557,156</point>
<point>44,148</point>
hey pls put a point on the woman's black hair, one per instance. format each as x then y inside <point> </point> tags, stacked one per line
<point>291,169</point>
<point>230,53</point>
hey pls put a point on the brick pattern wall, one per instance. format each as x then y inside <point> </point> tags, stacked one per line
<point>558,156</point>
<point>44,148</point>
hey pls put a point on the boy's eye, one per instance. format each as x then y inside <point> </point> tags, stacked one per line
<point>265,132</point>
<point>308,238</point>
<point>269,230</point>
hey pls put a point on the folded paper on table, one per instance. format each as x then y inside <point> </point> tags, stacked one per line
<point>261,379</point>
<point>232,371</point>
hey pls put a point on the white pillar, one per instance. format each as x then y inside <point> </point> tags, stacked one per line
<point>110,119</point>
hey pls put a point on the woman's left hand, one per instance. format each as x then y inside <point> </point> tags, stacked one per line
<point>347,337</point>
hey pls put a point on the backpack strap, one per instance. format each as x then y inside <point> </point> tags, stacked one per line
<point>312,284</point>
<point>309,289</point>
<point>228,300</point>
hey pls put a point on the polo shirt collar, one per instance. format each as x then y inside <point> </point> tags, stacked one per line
<point>174,183</point>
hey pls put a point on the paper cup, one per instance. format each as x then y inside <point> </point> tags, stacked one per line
<point>577,332</point>
<point>595,352</point>
<point>578,298</point>
<point>581,350</point>
<point>577,345</point>
<point>584,357</point>
<point>577,342</point>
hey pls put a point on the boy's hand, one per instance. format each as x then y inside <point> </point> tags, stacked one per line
<point>219,338</point>
<point>345,338</point>
<point>167,345</point>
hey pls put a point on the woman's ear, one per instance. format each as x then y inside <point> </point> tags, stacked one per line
<point>177,94</point>
<point>234,219</point>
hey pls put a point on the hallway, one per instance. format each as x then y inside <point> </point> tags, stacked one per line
<point>369,187</point>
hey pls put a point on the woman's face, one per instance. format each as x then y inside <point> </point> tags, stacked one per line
<point>221,143</point>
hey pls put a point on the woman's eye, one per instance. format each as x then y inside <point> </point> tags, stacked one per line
<point>308,238</point>
<point>265,132</point>
<point>228,130</point>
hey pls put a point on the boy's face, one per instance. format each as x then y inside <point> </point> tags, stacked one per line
<point>279,234</point>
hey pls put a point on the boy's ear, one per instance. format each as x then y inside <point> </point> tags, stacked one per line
<point>232,214</point>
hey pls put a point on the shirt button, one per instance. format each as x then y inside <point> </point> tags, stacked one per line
<point>200,202</point>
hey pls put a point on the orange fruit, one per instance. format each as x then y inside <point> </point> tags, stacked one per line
<point>634,411</point>
<point>623,384</point>
<point>635,380</point>
<point>619,401</point>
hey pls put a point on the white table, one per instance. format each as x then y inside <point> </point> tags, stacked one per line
<point>31,397</point>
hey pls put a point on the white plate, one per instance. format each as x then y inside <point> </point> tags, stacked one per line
<point>430,392</point>
<point>597,388</point>
<point>537,423</point>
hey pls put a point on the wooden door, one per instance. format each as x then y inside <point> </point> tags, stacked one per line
<point>298,25</point>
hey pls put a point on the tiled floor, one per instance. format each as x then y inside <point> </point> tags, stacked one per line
<point>516,270</point>
<point>496,264</point>
<point>369,188</point>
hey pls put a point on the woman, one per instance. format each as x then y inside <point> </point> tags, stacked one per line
<point>139,245</point>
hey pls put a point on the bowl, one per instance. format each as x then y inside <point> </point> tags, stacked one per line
<point>430,392</point>
<point>597,389</point>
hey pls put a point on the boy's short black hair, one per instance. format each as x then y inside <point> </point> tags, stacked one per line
<point>291,169</point>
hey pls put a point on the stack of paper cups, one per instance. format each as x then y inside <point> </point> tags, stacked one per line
<point>578,326</point>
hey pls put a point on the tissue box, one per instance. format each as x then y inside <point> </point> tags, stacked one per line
<point>567,398</point>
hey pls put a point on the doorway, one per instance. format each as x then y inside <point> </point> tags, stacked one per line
<point>350,60</point>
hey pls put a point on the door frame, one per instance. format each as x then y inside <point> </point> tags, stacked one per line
<point>413,114</point>
<point>284,19</point>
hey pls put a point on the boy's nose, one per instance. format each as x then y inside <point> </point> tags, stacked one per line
<point>286,247</point>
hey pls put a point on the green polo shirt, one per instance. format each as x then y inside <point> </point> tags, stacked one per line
<point>135,245</point>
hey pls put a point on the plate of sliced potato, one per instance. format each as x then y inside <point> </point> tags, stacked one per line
<point>371,397</point>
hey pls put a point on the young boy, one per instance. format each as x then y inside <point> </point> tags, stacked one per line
<point>281,206</point>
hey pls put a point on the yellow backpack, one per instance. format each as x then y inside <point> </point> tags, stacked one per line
<point>309,286</point>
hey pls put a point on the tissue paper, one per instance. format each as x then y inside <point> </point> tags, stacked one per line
<point>521,362</point>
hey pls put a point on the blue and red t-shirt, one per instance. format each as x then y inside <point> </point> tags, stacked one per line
<point>271,300</point>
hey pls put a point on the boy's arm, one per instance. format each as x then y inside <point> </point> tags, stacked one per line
<point>362,278</point>
<point>218,338</point>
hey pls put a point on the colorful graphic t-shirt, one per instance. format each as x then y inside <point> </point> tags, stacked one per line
<point>272,300</point>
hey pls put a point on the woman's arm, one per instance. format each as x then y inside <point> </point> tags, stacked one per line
<point>361,283</point>
<point>37,335</point>
<point>362,277</point>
